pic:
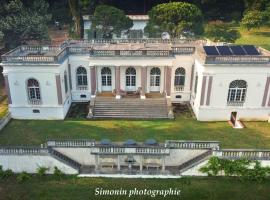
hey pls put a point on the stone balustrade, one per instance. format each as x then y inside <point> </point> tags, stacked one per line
<point>131,150</point>
<point>70,143</point>
<point>23,151</point>
<point>244,153</point>
<point>184,144</point>
<point>236,59</point>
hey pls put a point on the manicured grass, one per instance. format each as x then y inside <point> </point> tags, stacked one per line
<point>258,37</point>
<point>84,188</point>
<point>3,107</point>
<point>35,132</point>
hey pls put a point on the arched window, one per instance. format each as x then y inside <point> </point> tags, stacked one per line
<point>66,82</point>
<point>106,76</point>
<point>81,74</point>
<point>237,92</point>
<point>33,91</point>
<point>179,79</point>
<point>130,76</point>
<point>155,76</point>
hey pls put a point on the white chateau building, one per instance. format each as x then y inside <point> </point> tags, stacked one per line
<point>219,82</point>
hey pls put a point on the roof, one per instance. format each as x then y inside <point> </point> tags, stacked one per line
<point>231,50</point>
<point>132,17</point>
<point>139,17</point>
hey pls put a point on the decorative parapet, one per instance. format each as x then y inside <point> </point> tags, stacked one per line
<point>130,150</point>
<point>185,144</point>
<point>23,150</point>
<point>253,154</point>
<point>71,143</point>
<point>236,59</point>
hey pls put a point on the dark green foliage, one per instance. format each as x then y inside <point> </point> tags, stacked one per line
<point>4,174</point>
<point>57,173</point>
<point>22,177</point>
<point>109,20</point>
<point>41,171</point>
<point>20,24</point>
<point>254,19</point>
<point>219,31</point>
<point>247,169</point>
<point>175,18</point>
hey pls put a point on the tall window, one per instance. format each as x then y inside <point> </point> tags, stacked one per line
<point>179,79</point>
<point>196,84</point>
<point>66,82</point>
<point>130,77</point>
<point>33,91</point>
<point>106,76</point>
<point>81,74</point>
<point>237,93</point>
<point>155,76</point>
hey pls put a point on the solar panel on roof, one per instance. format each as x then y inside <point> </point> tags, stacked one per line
<point>211,50</point>
<point>224,50</point>
<point>237,50</point>
<point>251,50</point>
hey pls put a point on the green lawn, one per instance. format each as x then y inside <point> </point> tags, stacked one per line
<point>258,37</point>
<point>35,132</point>
<point>84,188</point>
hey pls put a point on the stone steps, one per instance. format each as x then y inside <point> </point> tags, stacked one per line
<point>134,108</point>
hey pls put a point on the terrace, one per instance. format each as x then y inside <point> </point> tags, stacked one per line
<point>231,54</point>
<point>99,48</point>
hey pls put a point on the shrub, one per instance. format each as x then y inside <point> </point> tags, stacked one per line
<point>5,174</point>
<point>247,169</point>
<point>58,173</point>
<point>22,177</point>
<point>41,171</point>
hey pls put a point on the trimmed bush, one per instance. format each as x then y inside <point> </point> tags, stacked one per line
<point>41,171</point>
<point>58,173</point>
<point>22,177</point>
<point>247,169</point>
<point>4,174</point>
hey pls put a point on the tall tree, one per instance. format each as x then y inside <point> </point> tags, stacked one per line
<point>19,23</point>
<point>109,20</point>
<point>175,18</point>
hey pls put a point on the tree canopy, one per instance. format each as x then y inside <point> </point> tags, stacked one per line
<point>175,18</point>
<point>219,31</point>
<point>19,23</point>
<point>109,20</point>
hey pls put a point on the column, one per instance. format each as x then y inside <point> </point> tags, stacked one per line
<point>163,163</point>
<point>96,162</point>
<point>7,89</point>
<point>58,88</point>
<point>143,81</point>
<point>168,81</point>
<point>141,164</point>
<point>118,163</point>
<point>93,81</point>
<point>117,82</point>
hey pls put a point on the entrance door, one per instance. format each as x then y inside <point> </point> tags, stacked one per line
<point>106,79</point>
<point>130,79</point>
<point>155,79</point>
<point>233,118</point>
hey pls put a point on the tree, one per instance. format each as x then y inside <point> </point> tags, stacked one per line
<point>175,18</point>
<point>219,31</point>
<point>253,19</point>
<point>19,24</point>
<point>109,20</point>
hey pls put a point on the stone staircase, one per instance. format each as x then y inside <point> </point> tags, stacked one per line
<point>133,108</point>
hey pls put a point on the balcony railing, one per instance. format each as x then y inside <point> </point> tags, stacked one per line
<point>236,59</point>
<point>179,88</point>
<point>35,101</point>
<point>244,153</point>
<point>235,103</point>
<point>82,87</point>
